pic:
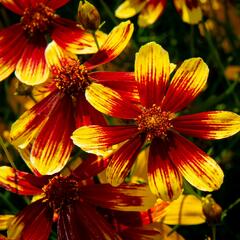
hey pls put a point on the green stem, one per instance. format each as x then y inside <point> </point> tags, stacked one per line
<point>6,201</point>
<point>189,189</point>
<point>224,213</point>
<point>9,157</point>
<point>214,232</point>
<point>95,39</point>
<point>109,12</point>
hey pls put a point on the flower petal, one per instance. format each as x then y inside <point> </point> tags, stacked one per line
<point>153,231</point>
<point>186,210</point>
<point>21,182</point>
<point>197,167</point>
<point>190,10</point>
<point>95,137</point>
<point>14,6</point>
<point>12,44</point>
<point>115,43</point>
<point>123,198</point>
<point>32,68</point>
<point>4,222</point>
<point>54,4</point>
<point>26,127</point>
<point>129,8</point>
<point>52,147</point>
<point>110,102</point>
<point>122,82</point>
<point>163,177</point>
<point>151,12</point>
<point>31,221</point>
<point>188,81</point>
<point>86,114</point>
<point>74,39</point>
<point>90,167</point>
<point>208,125</point>
<point>55,53</point>
<point>82,221</point>
<point>152,71</point>
<point>122,160</point>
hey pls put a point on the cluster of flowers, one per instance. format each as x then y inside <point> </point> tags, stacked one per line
<point>74,99</point>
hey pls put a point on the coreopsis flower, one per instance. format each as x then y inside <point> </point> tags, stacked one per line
<point>157,120</point>
<point>22,45</point>
<point>151,10</point>
<point>49,124</point>
<point>71,202</point>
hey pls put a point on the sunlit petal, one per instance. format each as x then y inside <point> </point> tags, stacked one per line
<point>152,71</point>
<point>188,81</point>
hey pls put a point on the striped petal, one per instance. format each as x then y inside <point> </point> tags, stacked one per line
<point>26,127</point>
<point>208,125</point>
<point>12,44</point>
<point>163,177</point>
<point>130,8</point>
<point>32,68</point>
<point>52,147</point>
<point>122,160</point>
<point>188,81</point>
<point>151,12</point>
<point>14,6</point>
<point>122,198</point>
<point>152,71</point>
<point>74,39</point>
<point>122,82</point>
<point>186,210</point>
<point>197,167</point>
<point>90,167</point>
<point>110,102</point>
<point>21,182</point>
<point>190,10</point>
<point>31,221</point>
<point>55,53</point>
<point>85,114</point>
<point>82,221</point>
<point>115,43</point>
<point>94,138</point>
<point>54,4</point>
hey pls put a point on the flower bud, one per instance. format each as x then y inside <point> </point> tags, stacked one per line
<point>211,210</point>
<point>88,16</point>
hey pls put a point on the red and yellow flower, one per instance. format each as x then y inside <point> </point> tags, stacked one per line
<point>49,124</point>
<point>156,120</point>
<point>22,45</point>
<point>71,202</point>
<point>151,10</point>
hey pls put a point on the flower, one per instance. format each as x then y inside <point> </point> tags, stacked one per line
<point>22,45</point>
<point>71,202</point>
<point>151,10</point>
<point>49,124</point>
<point>156,120</point>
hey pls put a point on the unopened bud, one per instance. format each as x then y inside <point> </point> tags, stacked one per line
<point>88,16</point>
<point>211,210</point>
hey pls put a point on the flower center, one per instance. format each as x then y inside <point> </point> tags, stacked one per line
<point>71,78</point>
<point>154,122</point>
<point>37,19</point>
<point>61,191</point>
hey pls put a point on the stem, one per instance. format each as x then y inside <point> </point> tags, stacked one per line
<point>95,39</point>
<point>189,189</point>
<point>109,12</point>
<point>9,157</point>
<point>214,231</point>
<point>224,213</point>
<point>8,203</point>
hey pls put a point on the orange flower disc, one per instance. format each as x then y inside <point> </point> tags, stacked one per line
<point>154,122</point>
<point>71,77</point>
<point>37,19</point>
